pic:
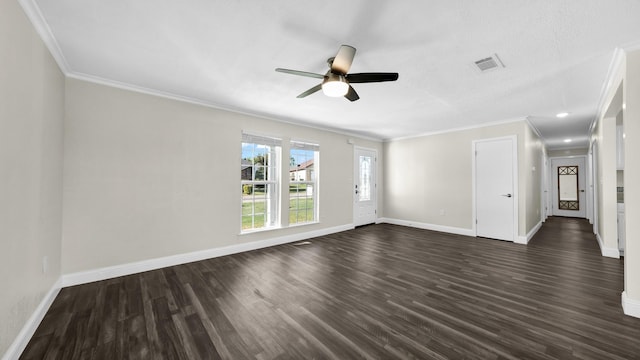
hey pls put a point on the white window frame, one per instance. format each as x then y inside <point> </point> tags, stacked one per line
<point>311,183</point>
<point>271,183</point>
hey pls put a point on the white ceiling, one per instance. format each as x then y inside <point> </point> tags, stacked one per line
<point>223,53</point>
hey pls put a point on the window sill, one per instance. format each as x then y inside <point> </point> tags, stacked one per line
<point>261,230</point>
<point>254,231</point>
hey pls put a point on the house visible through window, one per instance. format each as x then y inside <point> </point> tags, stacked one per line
<point>259,176</point>
<point>303,186</point>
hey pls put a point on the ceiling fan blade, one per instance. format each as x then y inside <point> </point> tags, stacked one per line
<point>342,62</point>
<point>352,95</point>
<point>301,73</point>
<point>371,77</point>
<point>310,91</point>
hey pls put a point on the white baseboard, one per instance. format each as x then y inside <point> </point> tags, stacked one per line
<point>525,239</point>
<point>157,263</point>
<point>20,343</point>
<point>419,225</point>
<point>630,306</point>
<point>607,252</point>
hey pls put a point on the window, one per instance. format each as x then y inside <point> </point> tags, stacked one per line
<point>364,193</point>
<point>303,186</point>
<point>259,182</point>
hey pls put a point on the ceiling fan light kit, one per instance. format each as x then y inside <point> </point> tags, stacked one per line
<point>335,85</point>
<point>336,82</point>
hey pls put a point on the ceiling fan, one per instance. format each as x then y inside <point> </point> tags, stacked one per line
<point>336,82</point>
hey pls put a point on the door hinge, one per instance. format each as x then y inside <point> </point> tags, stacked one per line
<point>476,221</point>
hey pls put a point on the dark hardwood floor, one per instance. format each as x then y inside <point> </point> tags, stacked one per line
<point>376,292</point>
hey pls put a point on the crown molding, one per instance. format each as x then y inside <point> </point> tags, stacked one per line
<point>195,101</point>
<point>617,61</point>
<point>462,128</point>
<point>42,28</point>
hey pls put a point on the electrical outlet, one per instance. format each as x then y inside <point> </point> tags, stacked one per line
<point>45,264</point>
<point>442,212</point>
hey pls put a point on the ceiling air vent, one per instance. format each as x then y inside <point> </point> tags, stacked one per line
<point>490,63</point>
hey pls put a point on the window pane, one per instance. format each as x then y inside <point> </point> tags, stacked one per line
<point>302,182</point>
<point>259,182</point>
<point>568,188</point>
<point>364,192</point>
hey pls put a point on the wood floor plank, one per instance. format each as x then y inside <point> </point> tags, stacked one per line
<point>376,292</point>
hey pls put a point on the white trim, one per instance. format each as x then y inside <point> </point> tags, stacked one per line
<point>420,225</point>
<point>611,252</point>
<point>34,15</point>
<point>607,252</point>
<point>525,239</point>
<point>630,306</point>
<point>534,128</point>
<point>462,128</point>
<point>20,342</point>
<point>356,175</point>
<point>516,183</point>
<point>88,276</point>
<point>617,60</point>
<point>595,148</point>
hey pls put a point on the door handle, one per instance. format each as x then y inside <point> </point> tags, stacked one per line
<point>507,195</point>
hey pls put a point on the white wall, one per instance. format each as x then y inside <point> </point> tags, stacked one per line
<point>604,134</point>
<point>533,172</point>
<point>607,181</point>
<point>31,137</point>
<point>624,82</point>
<point>568,152</point>
<point>148,177</point>
<point>632,179</point>
<point>424,175</point>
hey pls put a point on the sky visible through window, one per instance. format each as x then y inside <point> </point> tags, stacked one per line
<point>251,150</point>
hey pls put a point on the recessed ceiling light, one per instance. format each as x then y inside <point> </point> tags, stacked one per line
<point>562,114</point>
<point>567,140</point>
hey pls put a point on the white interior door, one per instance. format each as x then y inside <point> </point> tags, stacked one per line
<point>568,177</point>
<point>365,202</point>
<point>495,188</point>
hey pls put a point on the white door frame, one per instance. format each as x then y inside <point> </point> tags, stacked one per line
<point>516,218</point>
<point>586,182</point>
<point>594,184</point>
<point>356,171</point>
<point>545,211</point>
<point>589,187</point>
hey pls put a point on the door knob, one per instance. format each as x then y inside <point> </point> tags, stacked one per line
<point>507,195</point>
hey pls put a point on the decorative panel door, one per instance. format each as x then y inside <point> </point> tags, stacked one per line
<point>568,186</point>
